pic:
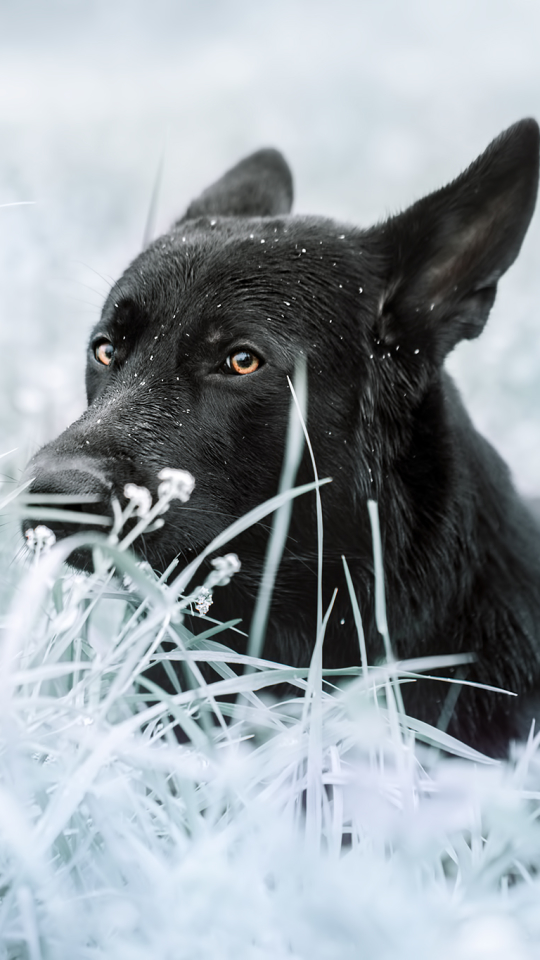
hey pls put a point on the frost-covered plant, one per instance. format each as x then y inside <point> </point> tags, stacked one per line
<point>138,822</point>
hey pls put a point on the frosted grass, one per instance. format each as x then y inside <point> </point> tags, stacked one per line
<point>321,826</point>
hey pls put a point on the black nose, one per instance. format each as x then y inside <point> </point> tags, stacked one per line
<point>77,487</point>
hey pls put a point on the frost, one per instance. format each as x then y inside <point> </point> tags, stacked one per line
<point>203,600</point>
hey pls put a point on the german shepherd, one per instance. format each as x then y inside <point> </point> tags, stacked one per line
<point>188,368</point>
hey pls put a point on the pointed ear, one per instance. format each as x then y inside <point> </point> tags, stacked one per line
<point>259,186</point>
<point>447,252</point>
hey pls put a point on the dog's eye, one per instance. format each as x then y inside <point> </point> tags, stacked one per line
<point>242,361</point>
<point>104,352</point>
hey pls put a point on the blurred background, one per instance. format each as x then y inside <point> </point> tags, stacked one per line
<point>373,102</point>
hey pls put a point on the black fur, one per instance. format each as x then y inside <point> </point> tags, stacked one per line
<point>374,312</point>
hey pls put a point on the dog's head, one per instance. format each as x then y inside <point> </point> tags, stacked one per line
<point>188,365</point>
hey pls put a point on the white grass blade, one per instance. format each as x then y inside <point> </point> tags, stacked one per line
<point>15,493</point>
<point>357,619</point>
<point>314,780</point>
<point>319,509</point>
<point>282,516</point>
<point>380,601</point>
<point>53,513</point>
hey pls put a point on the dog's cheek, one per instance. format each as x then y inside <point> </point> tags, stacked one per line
<point>244,439</point>
<point>251,461</point>
<point>92,384</point>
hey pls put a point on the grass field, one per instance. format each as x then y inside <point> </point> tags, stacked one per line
<point>327,826</point>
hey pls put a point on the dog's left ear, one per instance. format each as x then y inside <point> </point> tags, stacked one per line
<point>447,252</point>
<point>259,186</point>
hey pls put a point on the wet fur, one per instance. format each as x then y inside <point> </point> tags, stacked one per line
<point>374,312</point>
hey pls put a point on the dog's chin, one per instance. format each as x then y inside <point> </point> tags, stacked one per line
<point>82,558</point>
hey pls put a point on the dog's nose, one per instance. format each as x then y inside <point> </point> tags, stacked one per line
<point>78,487</point>
<point>69,481</point>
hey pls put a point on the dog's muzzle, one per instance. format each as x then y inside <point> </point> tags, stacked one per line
<point>75,490</point>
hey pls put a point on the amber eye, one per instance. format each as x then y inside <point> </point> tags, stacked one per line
<point>242,361</point>
<point>104,352</point>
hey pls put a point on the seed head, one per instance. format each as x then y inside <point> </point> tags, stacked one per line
<point>225,568</point>
<point>176,485</point>
<point>140,496</point>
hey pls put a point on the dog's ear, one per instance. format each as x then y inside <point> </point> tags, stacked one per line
<point>446,253</point>
<point>259,186</point>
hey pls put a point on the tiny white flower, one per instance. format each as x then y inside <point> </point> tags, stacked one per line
<point>140,497</point>
<point>176,485</point>
<point>45,535</point>
<point>40,538</point>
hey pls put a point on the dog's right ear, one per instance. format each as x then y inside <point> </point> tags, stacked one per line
<point>259,186</point>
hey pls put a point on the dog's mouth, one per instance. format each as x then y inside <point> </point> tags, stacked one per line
<point>52,517</point>
<point>62,501</point>
<point>55,508</point>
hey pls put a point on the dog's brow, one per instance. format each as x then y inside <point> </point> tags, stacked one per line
<point>125,312</point>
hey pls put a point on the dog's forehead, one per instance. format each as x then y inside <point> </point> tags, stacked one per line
<point>233,253</point>
<point>210,273</point>
<point>287,230</point>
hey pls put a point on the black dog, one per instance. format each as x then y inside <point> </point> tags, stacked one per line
<point>188,368</point>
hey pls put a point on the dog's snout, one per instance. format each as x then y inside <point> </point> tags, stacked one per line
<point>76,482</point>
<point>61,491</point>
